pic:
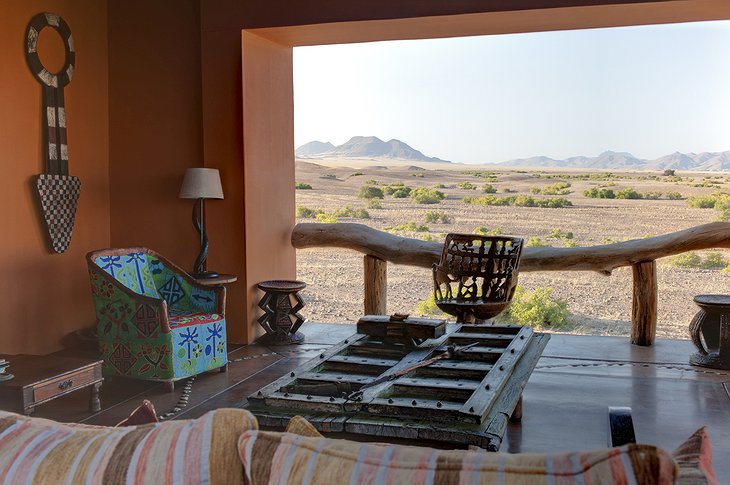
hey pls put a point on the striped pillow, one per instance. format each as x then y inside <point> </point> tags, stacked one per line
<point>38,451</point>
<point>277,458</point>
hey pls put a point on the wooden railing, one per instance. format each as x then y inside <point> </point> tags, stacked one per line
<point>641,254</point>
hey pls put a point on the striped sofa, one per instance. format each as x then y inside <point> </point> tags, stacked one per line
<point>225,447</point>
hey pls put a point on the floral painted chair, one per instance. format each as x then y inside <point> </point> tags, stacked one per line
<point>155,322</point>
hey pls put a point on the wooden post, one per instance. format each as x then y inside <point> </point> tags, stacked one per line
<point>644,306</point>
<point>376,285</point>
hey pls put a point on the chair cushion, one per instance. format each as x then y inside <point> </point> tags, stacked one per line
<point>270,457</point>
<point>202,450</point>
<point>185,318</point>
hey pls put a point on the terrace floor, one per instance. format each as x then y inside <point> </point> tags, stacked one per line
<point>565,401</point>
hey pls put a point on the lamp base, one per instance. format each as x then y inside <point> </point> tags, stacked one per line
<point>205,275</point>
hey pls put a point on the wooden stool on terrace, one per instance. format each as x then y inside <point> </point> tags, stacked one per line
<point>278,311</point>
<point>710,331</point>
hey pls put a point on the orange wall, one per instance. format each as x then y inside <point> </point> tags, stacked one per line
<point>45,296</point>
<point>155,124</point>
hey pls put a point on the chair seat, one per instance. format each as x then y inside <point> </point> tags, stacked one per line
<point>185,318</point>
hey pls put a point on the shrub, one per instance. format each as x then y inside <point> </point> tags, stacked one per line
<point>507,190</point>
<point>438,216</point>
<point>724,214</point>
<point>305,212</point>
<point>674,195</point>
<point>537,308</point>
<point>556,233</point>
<point>489,189</point>
<point>707,202</point>
<point>652,195</point>
<point>595,193</point>
<point>302,186</point>
<point>570,244</point>
<point>423,195</point>
<point>439,186</point>
<point>485,231</point>
<point>371,182</point>
<point>356,174</point>
<point>398,190</point>
<point>370,192</point>
<point>558,188</point>
<point>326,218</point>
<point>713,260</point>
<point>686,260</point>
<point>554,203</point>
<point>328,176</point>
<point>628,193</point>
<point>374,204</point>
<point>467,186</point>
<point>417,174</point>
<point>348,211</point>
<point>409,226</point>
<point>428,307</point>
<point>668,173</point>
<point>536,242</point>
<point>524,201</point>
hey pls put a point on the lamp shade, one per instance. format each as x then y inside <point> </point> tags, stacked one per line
<point>201,183</point>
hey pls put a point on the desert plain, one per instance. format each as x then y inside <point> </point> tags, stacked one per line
<point>598,304</point>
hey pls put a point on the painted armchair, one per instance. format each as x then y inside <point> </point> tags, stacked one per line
<point>155,321</point>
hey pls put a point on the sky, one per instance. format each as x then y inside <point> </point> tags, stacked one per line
<point>649,90</point>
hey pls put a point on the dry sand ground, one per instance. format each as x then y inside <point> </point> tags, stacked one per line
<point>600,305</point>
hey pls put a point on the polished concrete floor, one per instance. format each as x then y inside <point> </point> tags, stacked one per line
<point>565,401</point>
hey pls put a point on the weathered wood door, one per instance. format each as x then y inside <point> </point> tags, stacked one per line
<point>433,391</point>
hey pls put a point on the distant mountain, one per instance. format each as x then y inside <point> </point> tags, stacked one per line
<point>314,148</point>
<point>364,147</point>
<point>703,162</point>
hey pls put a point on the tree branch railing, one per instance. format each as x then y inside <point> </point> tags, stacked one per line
<point>380,248</point>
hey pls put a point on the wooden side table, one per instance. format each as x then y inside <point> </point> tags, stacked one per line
<point>39,379</point>
<point>221,279</point>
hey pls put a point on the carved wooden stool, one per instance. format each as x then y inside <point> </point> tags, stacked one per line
<point>278,311</point>
<point>710,331</point>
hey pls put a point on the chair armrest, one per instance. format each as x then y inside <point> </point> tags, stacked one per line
<point>107,290</point>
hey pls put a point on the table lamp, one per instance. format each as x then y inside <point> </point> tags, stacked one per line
<point>201,184</point>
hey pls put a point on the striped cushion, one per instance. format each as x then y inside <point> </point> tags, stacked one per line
<point>38,451</point>
<point>276,458</point>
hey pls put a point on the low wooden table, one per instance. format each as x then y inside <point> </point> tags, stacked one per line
<point>39,379</point>
<point>457,388</point>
